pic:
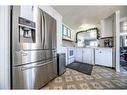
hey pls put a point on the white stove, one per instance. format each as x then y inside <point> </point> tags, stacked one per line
<point>69,54</point>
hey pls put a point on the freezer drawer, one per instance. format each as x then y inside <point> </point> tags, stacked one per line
<point>35,75</point>
<point>30,76</point>
<point>52,69</point>
<point>24,57</point>
<point>50,54</point>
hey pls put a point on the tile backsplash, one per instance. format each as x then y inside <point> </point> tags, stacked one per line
<point>68,44</point>
<point>101,42</point>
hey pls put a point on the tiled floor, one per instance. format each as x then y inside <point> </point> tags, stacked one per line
<point>101,78</point>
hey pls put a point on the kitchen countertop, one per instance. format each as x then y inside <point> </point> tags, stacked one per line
<point>94,47</point>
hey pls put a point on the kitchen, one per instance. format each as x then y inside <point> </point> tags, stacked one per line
<point>92,46</point>
<point>95,45</point>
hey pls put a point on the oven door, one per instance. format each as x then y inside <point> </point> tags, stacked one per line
<point>70,53</point>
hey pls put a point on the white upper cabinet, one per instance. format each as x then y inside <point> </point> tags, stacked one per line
<point>107,27</point>
<point>27,12</point>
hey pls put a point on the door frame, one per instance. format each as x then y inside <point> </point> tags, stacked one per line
<point>117,27</point>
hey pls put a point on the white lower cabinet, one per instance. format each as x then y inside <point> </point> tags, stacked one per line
<point>71,60</point>
<point>103,56</point>
<point>78,54</point>
<point>88,55</point>
<point>84,55</point>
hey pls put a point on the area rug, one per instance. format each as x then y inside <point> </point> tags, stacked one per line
<point>81,67</point>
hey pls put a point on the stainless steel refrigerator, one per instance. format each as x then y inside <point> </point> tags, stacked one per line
<point>33,50</point>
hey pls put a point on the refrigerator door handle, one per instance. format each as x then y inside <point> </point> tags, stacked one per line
<point>45,27</point>
<point>25,68</point>
<point>41,23</point>
<point>42,26</point>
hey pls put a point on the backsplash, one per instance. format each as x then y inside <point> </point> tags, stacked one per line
<point>68,44</point>
<point>105,42</point>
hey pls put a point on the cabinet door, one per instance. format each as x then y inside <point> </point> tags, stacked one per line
<point>107,27</point>
<point>103,57</point>
<point>98,57</point>
<point>87,57</point>
<point>107,57</point>
<point>78,54</point>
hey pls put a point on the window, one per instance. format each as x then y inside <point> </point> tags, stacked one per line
<point>66,31</point>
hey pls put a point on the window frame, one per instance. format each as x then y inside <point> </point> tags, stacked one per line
<point>68,31</point>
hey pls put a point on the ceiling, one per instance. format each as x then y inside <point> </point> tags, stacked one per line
<point>77,17</point>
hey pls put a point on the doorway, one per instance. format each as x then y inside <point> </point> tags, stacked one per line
<point>123,46</point>
<point>123,52</point>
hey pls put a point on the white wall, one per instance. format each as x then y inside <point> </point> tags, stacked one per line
<point>4,48</point>
<point>58,18</point>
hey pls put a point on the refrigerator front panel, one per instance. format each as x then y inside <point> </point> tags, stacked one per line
<point>24,33</point>
<point>22,79</point>
<point>15,33</point>
<point>28,57</point>
<point>54,31</point>
<point>34,60</point>
<point>32,76</point>
<point>52,69</point>
<point>49,54</point>
<point>41,26</point>
<point>49,33</point>
<point>47,29</point>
